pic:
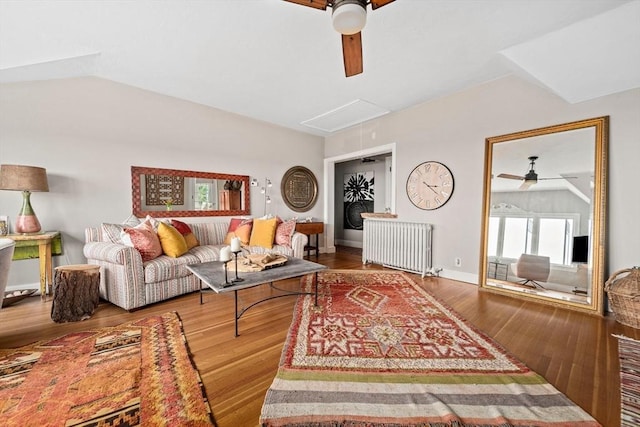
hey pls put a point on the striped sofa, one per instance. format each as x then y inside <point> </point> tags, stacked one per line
<point>129,283</point>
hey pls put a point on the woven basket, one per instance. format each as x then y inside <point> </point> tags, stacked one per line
<point>624,296</point>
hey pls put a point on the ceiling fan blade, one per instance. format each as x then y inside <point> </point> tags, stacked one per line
<point>562,177</point>
<point>379,3</point>
<point>352,54</point>
<point>509,176</point>
<point>526,184</point>
<point>316,4</point>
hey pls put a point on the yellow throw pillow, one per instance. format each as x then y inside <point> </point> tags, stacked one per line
<point>264,230</point>
<point>173,243</point>
<point>191,240</point>
<point>186,232</point>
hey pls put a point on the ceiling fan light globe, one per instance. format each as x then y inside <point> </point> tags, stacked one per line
<point>349,18</point>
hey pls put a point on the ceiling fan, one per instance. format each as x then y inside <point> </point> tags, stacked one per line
<point>349,17</point>
<point>531,177</point>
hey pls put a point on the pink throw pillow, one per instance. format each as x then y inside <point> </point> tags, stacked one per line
<point>284,232</point>
<point>146,242</point>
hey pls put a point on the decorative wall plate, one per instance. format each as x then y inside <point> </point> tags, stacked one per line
<point>299,189</point>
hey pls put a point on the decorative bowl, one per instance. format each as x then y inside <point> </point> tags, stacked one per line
<point>15,296</point>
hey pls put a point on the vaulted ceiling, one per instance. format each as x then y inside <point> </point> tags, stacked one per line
<point>281,63</point>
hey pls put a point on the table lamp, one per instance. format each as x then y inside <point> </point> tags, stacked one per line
<point>25,179</point>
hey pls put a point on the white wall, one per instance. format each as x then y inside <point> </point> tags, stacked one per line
<point>88,132</point>
<point>453,129</point>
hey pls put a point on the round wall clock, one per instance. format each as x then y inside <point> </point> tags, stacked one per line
<point>430,185</point>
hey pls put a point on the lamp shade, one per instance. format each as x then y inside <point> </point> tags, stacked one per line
<point>349,16</point>
<point>23,178</point>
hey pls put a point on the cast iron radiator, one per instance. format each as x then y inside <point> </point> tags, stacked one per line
<point>397,244</point>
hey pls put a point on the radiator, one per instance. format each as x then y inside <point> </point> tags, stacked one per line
<point>397,244</point>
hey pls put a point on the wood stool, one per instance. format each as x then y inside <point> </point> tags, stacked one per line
<point>76,292</point>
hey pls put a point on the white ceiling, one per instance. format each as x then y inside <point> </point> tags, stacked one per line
<point>282,63</point>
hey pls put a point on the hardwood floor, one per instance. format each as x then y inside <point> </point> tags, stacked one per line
<point>575,352</point>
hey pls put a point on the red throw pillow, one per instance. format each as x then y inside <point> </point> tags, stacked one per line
<point>181,227</point>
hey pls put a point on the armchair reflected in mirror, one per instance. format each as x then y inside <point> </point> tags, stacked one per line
<point>179,193</point>
<point>543,232</point>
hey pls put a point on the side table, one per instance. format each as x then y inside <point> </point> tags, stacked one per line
<point>39,245</point>
<point>311,229</point>
<point>498,270</point>
<point>76,292</point>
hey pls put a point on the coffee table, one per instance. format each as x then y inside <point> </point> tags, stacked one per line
<point>212,274</point>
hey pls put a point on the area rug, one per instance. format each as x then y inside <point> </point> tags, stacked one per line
<point>629,355</point>
<point>380,351</point>
<point>139,373</point>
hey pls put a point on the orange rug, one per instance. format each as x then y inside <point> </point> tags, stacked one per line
<point>138,373</point>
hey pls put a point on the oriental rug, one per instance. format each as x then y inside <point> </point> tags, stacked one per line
<point>629,355</point>
<point>381,351</point>
<point>138,373</point>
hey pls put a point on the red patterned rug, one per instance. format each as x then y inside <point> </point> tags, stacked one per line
<point>139,373</point>
<point>381,351</point>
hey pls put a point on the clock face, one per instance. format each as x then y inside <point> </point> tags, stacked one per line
<point>430,185</point>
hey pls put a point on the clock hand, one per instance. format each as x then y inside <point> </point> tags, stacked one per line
<point>430,187</point>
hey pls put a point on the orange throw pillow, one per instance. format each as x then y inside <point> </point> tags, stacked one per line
<point>243,231</point>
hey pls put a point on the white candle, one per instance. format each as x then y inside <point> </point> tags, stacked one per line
<point>225,254</point>
<point>235,244</point>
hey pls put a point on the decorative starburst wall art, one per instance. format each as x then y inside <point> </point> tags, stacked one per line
<point>358,198</point>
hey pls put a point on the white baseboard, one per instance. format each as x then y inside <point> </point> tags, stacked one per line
<point>460,276</point>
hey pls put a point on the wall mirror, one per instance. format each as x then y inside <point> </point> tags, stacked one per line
<point>179,193</point>
<point>544,207</point>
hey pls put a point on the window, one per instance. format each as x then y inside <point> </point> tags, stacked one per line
<point>512,234</point>
<point>516,237</point>
<point>205,194</point>
<point>554,239</point>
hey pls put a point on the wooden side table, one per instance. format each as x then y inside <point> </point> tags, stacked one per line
<point>39,245</point>
<point>311,229</point>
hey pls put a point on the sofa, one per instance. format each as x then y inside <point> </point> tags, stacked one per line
<point>130,282</point>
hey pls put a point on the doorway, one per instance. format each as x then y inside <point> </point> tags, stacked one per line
<point>333,210</point>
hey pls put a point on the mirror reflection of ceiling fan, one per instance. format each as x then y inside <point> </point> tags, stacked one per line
<point>531,177</point>
<point>348,17</point>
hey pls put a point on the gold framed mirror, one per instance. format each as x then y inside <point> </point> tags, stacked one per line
<point>180,193</point>
<point>544,212</point>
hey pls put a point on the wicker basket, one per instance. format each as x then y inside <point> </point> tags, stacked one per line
<point>624,296</point>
